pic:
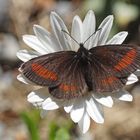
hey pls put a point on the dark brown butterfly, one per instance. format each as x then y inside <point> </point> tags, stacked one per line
<point>70,74</point>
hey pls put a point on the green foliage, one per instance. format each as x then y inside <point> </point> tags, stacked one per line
<point>60,132</point>
<point>53,129</point>
<point>31,119</point>
<point>57,130</point>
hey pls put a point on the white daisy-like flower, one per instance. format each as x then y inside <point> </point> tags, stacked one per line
<point>43,42</point>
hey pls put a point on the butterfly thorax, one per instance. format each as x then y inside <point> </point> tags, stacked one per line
<point>83,53</point>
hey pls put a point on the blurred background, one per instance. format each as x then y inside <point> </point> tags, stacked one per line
<point>18,119</point>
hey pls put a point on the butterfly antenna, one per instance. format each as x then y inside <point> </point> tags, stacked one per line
<point>91,35</point>
<point>69,35</point>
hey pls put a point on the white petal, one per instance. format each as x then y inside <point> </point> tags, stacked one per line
<point>38,95</point>
<point>34,43</point>
<point>42,96</point>
<point>123,95</point>
<point>105,27</point>
<point>22,79</point>
<point>137,73</point>
<point>77,111</point>
<point>95,39</point>
<point>49,104</point>
<point>88,28</point>
<point>84,123</point>
<point>132,79</point>
<point>38,105</point>
<point>118,38</point>
<point>45,38</point>
<point>76,32</point>
<point>66,39</point>
<point>57,26</point>
<point>43,113</point>
<point>68,108</point>
<point>104,100</point>
<point>126,97</point>
<point>94,110</point>
<point>25,55</point>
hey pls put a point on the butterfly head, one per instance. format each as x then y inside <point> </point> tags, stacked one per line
<point>82,49</point>
<point>82,53</point>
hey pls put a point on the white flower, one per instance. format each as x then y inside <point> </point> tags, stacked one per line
<point>83,108</point>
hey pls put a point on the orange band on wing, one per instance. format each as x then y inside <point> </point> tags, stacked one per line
<point>109,80</point>
<point>126,60</point>
<point>66,87</point>
<point>43,72</point>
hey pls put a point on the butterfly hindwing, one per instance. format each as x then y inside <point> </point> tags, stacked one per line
<point>103,78</point>
<point>72,80</point>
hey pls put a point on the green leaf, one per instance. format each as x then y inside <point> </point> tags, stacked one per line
<point>53,128</point>
<point>32,125</point>
<point>62,134</point>
<point>60,131</point>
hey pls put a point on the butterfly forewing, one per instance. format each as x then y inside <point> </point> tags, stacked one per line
<point>43,70</point>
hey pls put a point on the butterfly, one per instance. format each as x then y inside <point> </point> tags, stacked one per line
<point>69,74</point>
